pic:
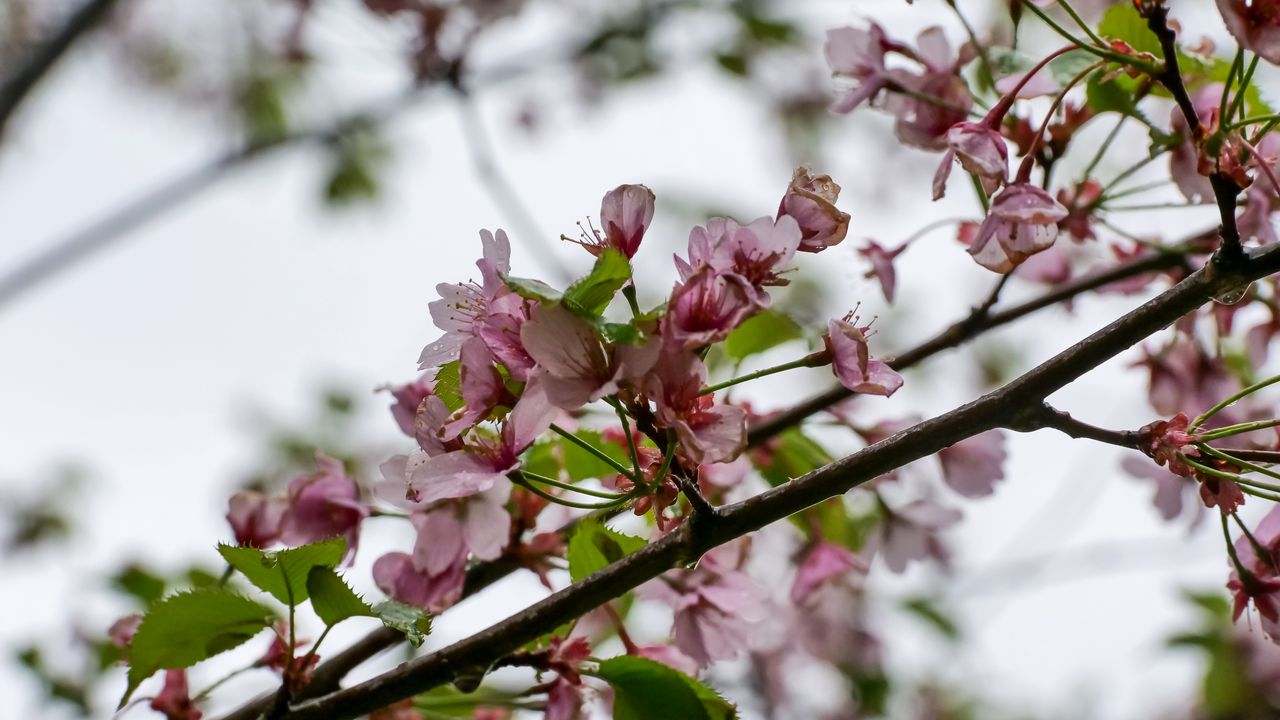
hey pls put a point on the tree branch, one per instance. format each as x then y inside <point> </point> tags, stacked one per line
<point>980,320</point>
<point>1046,416</point>
<point>998,408</point>
<point>41,60</point>
<point>330,673</point>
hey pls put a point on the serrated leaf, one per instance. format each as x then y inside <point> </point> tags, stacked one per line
<point>761,332</point>
<point>1122,22</point>
<point>414,623</point>
<point>183,629</point>
<point>592,294</point>
<point>448,385</point>
<point>331,598</point>
<point>531,289</point>
<point>594,547</point>
<point>648,690</point>
<point>283,573</point>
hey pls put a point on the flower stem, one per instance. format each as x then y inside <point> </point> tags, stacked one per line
<point>522,482</point>
<point>1236,429</point>
<point>1237,103</point>
<point>817,359</point>
<point>603,494</point>
<point>1238,479</point>
<point>1080,21</point>
<point>600,454</point>
<point>1243,464</point>
<point>631,441</point>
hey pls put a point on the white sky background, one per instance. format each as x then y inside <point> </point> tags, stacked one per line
<point>146,363</point>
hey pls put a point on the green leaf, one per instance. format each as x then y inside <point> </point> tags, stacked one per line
<point>1114,95</point>
<point>796,454</point>
<point>648,690</point>
<point>1122,22</point>
<point>284,573</point>
<point>930,613</point>
<point>183,629</point>
<point>448,385</point>
<point>141,583</point>
<point>593,293</point>
<point>531,289</point>
<point>760,332</point>
<point>414,623</point>
<point>582,465</point>
<point>1067,66</point>
<point>332,599</point>
<point>594,546</point>
<point>733,63</point>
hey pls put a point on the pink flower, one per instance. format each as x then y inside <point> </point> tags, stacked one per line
<point>1261,584</point>
<point>911,532</point>
<point>706,307</point>
<point>882,269</point>
<point>1171,490</point>
<point>174,700</point>
<point>500,330</point>
<point>852,362</point>
<point>1040,84</point>
<point>122,631</point>
<point>1220,493</point>
<point>670,656</point>
<point>408,398</point>
<point>759,253</point>
<point>1165,441</point>
<point>1255,24</point>
<point>399,577</point>
<point>564,701</point>
<point>980,150</point>
<point>811,201</point>
<point>625,214</point>
<point>857,55</point>
<point>972,466</point>
<point>1184,160</point>
<point>461,306</point>
<point>579,367</point>
<point>1079,202</point>
<point>324,505</point>
<point>478,525</point>
<point>715,607</point>
<point>1184,377</point>
<point>481,460</point>
<point>921,123</point>
<point>1022,222</point>
<point>255,517</point>
<point>823,563</point>
<point>482,389</point>
<point>708,433</point>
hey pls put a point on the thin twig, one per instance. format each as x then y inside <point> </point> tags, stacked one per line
<point>41,60</point>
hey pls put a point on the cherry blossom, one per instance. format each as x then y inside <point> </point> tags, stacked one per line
<point>715,607</point>
<point>174,700</point>
<point>323,505</point>
<point>911,532</point>
<point>625,214</point>
<point>706,307</point>
<point>255,517</point>
<point>578,366</point>
<point>708,432</point>
<point>810,201</point>
<point>857,55</point>
<point>852,362</point>
<point>463,306</point>
<point>974,465</point>
<point>1023,221</point>
<point>823,563</point>
<point>1255,24</point>
<point>980,149</point>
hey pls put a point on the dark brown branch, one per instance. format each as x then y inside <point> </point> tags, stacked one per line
<point>979,320</point>
<point>998,408</point>
<point>41,60</point>
<point>1225,189</point>
<point>1046,416</point>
